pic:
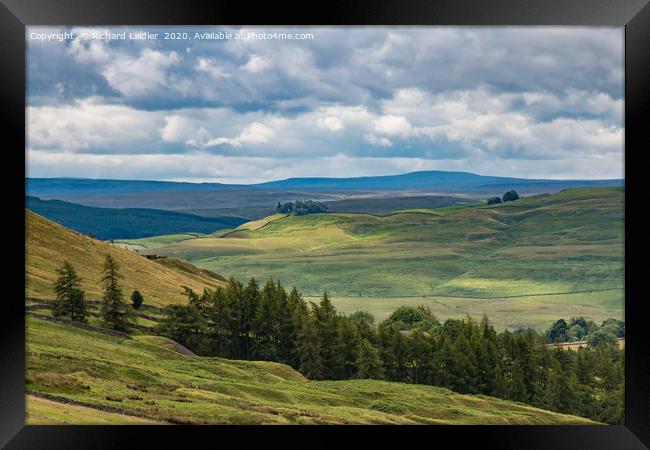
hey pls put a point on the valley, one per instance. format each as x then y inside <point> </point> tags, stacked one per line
<point>519,261</point>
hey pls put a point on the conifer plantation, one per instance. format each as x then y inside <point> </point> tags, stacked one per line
<point>412,346</point>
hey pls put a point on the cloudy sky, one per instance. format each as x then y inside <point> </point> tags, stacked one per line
<point>532,102</point>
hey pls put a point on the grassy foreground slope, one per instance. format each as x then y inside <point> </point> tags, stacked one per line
<point>48,245</point>
<point>144,377</point>
<point>565,243</point>
<point>41,411</point>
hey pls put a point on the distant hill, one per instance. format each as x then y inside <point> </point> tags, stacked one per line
<point>48,245</point>
<point>439,180</point>
<point>42,187</point>
<point>109,223</point>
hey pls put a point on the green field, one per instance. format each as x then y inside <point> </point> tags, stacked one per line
<point>144,376</point>
<point>538,312</point>
<point>565,243</point>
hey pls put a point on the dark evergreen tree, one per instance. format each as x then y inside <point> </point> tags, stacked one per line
<point>309,350</point>
<point>222,319</point>
<point>345,349</point>
<point>136,299</point>
<point>326,326</point>
<point>114,310</point>
<point>368,362</point>
<point>557,332</point>
<point>186,325</point>
<point>248,313</point>
<point>70,301</point>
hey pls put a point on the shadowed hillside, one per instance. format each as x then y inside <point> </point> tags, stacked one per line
<point>111,223</point>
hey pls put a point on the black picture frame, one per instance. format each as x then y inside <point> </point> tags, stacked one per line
<point>634,15</point>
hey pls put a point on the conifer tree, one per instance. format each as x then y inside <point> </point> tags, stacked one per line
<point>368,362</point>
<point>70,301</point>
<point>309,351</point>
<point>115,311</point>
<point>221,315</point>
<point>345,349</point>
<point>186,325</point>
<point>249,309</point>
<point>325,315</point>
<point>136,299</point>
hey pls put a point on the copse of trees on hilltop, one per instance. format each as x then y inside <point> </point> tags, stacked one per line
<point>268,323</point>
<point>507,197</point>
<point>301,208</point>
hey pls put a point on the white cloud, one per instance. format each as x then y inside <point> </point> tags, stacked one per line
<point>211,67</point>
<point>377,141</point>
<point>393,126</point>
<point>91,125</point>
<point>143,74</point>
<point>257,64</point>
<point>330,123</point>
<point>254,134</point>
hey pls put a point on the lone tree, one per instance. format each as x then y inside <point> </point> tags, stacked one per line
<point>115,311</point>
<point>70,301</point>
<point>136,299</point>
<point>510,196</point>
<point>494,200</point>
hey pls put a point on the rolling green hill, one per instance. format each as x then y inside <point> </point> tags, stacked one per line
<point>111,223</point>
<point>48,245</point>
<point>536,254</point>
<point>89,377</point>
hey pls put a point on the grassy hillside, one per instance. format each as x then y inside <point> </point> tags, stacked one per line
<point>110,223</point>
<point>42,411</point>
<point>48,245</point>
<point>144,376</point>
<point>566,243</point>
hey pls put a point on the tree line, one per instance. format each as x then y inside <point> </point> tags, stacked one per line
<point>268,323</point>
